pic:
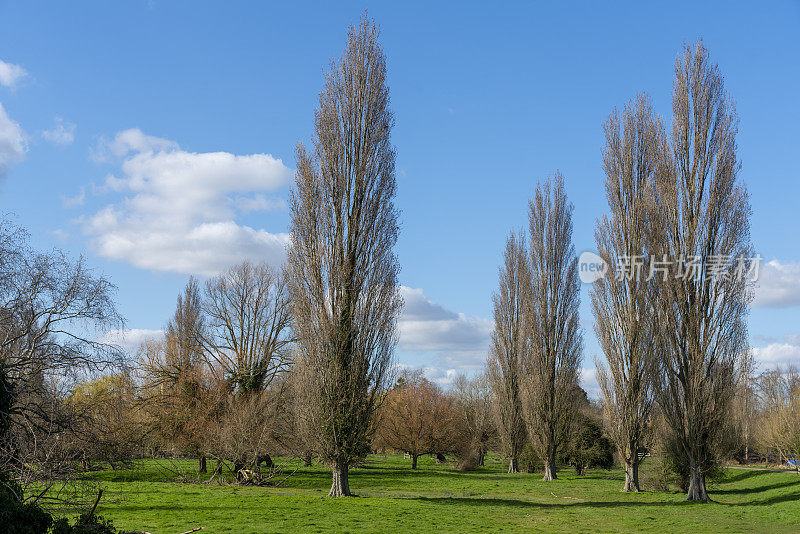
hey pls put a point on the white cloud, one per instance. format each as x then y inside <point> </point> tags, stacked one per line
<point>258,203</point>
<point>12,142</point>
<point>179,210</point>
<point>784,352</point>
<point>127,141</point>
<point>11,74</point>
<point>130,339</point>
<point>429,326</point>
<point>62,134</point>
<point>778,285</point>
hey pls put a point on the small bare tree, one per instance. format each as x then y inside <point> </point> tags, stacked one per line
<point>418,418</point>
<point>473,401</point>
<point>700,218</point>
<point>552,370</point>
<point>343,271</point>
<point>509,348</point>
<point>780,397</point>
<point>248,325</point>
<point>621,301</point>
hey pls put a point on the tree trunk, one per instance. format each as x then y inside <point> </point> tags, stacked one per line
<point>341,482</point>
<point>414,461</point>
<point>697,486</point>
<point>631,475</point>
<point>203,467</point>
<point>550,467</point>
<point>482,457</point>
<point>513,465</point>
<point>307,460</point>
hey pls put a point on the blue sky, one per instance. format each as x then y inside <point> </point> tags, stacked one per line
<point>157,138</point>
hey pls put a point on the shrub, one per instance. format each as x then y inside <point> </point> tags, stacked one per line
<point>529,461</point>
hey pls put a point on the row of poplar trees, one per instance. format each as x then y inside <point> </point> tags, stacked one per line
<point>672,345</point>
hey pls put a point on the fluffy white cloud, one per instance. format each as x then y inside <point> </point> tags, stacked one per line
<point>179,210</point>
<point>448,342</point>
<point>427,326</point>
<point>130,339</point>
<point>11,74</point>
<point>785,352</point>
<point>62,133</point>
<point>12,141</point>
<point>778,285</point>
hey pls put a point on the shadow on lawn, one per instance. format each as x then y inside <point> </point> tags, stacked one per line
<point>757,489</point>
<point>479,501</point>
<point>742,474</point>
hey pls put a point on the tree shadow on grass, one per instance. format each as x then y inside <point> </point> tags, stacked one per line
<point>757,489</point>
<point>576,505</point>
<point>742,474</point>
<point>518,503</point>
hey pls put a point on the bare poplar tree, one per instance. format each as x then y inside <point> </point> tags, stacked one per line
<point>173,371</point>
<point>701,219</point>
<point>509,348</point>
<point>343,269</point>
<point>248,330</point>
<point>621,301</point>
<point>552,324</point>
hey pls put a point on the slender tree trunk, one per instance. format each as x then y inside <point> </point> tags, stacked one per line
<point>697,486</point>
<point>482,458</point>
<point>203,467</point>
<point>341,483</point>
<point>631,475</point>
<point>550,467</point>
<point>414,461</point>
<point>307,460</point>
<point>513,465</point>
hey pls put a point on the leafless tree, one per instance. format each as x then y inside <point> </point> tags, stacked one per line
<point>510,348</point>
<point>247,331</point>
<point>556,340</point>
<point>780,397</point>
<point>174,373</point>
<point>54,314</point>
<point>700,217</point>
<point>418,418</point>
<point>343,269</point>
<point>621,301</point>
<point>473,403</point>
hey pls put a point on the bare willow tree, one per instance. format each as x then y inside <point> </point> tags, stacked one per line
<point>248,325</point>
<point>701,219</point>
<point>343,269</point>
<point>510,347</point>
<point>621,301</point>
<point>552,370</point>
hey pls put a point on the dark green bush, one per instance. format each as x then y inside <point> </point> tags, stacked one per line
<point>529,461</point>
<point>587,446</point>
<point>17,517</point>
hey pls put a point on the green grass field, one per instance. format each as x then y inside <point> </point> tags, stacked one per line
<point>437,498</point>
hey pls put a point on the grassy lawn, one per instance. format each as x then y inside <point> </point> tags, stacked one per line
<point>436,498</point>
